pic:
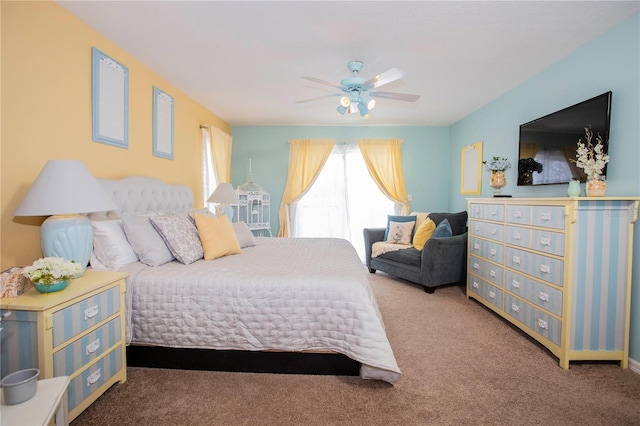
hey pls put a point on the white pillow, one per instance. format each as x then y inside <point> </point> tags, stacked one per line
<point>244,235</point>
<point>145,240</point>
<point>400,232</point>
<point>110,244</point>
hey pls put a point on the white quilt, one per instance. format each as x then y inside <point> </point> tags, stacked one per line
<point>288,294</point>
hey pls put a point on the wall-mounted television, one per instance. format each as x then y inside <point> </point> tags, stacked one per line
<point>548,144</point>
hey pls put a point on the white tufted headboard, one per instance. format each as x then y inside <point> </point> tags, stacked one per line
<point>141,195</point>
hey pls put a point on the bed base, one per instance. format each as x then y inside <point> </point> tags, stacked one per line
<point>333,364</point>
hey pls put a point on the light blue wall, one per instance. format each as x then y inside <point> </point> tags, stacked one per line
<point>425,153</point>
<point>610,62</point>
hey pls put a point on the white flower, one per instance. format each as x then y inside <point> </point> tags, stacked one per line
<point>497,164</point>
<point>591,158</point>
<point>51,269</point>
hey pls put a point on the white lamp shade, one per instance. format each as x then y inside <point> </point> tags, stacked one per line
<point>64,187</point>
<point>224,194</point>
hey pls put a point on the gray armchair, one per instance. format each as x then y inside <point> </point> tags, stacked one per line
<point>442,261</point>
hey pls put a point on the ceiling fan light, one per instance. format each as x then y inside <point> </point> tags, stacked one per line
<point>353,108</point>
<point>363,109</point>
<point>345,101</point>
<point>341,110</point>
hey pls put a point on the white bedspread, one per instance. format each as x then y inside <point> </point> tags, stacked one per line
<point>288,294</point>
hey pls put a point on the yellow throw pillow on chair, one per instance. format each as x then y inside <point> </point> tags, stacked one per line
<point>423,233</point>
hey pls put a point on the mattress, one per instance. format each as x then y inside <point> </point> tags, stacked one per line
<point>284,294</point>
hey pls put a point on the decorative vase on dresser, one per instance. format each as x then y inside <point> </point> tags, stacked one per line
<point>77,332</point>
<point>557,268</point>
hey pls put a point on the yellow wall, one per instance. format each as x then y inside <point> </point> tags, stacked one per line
<point>46,114</point>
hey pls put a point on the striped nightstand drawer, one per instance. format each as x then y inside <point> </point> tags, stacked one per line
<point>86,349</point>
<point>86,383</point>
<point>536,265</point>
<point>77,318</point>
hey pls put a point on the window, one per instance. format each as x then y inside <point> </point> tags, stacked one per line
<point>342,201</point>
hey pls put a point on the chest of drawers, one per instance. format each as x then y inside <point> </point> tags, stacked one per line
<point>77,332</point>
<point>557,268</point>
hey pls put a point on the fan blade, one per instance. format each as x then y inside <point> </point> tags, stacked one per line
<point>386,77</point>
<point>319,97</point>
<point>327,83</point>
<point>397,96</point>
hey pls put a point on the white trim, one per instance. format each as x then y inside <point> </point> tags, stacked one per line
<point>634,366</point>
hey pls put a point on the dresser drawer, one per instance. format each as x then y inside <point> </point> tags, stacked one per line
<point>486,249</point>
<point>487,270</point>
<point>518,236</point>
<point>486,291</point>
<point>536,292</point>
<point>519,215</point>
<point>476,211</point>
<point>548,216</point>
<point>86,383</point>
<point>476,228</point>
<point>83,315</point>
<point>548,242</point>
<point>536,265</point>
<point>494,212</point>
<point>540,323</point>
<point>81,352</point>
<point>494,231</point>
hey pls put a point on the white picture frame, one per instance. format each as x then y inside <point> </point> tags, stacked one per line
<point>110,100</point>
<point>163,110</point>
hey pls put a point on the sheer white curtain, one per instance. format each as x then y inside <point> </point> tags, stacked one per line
<point>209,182</point>
<point>216,160</point>
<point>343,201</point>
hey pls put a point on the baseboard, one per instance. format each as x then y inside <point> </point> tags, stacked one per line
<point>634,366</point>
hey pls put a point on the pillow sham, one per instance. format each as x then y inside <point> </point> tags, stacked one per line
<point>443,230</point>
<point>217,236</point>
<point>423,233</point>
<point>243,235</point>
<point>180,236</point>
<point>400,232</point>
<point>398,219</point>
<point>145,240</point>
<point>110,244</point>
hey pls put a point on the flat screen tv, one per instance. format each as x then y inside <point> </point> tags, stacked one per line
<point>548,144</point>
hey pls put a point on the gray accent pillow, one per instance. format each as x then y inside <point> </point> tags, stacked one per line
<point>443,230</point>
<point>145,240</point>
<point>180,235</point>
<point>244,235</point>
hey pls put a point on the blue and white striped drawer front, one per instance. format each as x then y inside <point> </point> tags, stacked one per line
<point>494,212</point>
<point>548,216</point>
<point>93,377</point>
<point>542,295</point>
<point>476,228</point>
<point>518,236</point>
<point>486,291</point>
<point>487,270</point>
<point>543,324</point>
<point>494,231</point>
<point>80,353</point>
<point>486,249</point>
<point>85,314</point>
<point>548,242</point>
<point>543,267</point>
<point>519,214</point>
<point>18,341</point>
<point>476,211</point>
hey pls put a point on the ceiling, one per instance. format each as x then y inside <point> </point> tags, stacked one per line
<point>244,60</point>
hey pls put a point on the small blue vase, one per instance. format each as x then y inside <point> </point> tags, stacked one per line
<point>51,288</point>
<point>574,188</point>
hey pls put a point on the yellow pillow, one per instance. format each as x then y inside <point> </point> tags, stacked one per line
<point>423,233</point>
<point>217,236</point>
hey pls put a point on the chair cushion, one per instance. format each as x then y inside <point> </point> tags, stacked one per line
<point>408,256</point>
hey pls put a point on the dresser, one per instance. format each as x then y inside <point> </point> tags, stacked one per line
<point>557,268</point>
<point>77,332</point>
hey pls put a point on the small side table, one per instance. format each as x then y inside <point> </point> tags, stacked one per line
<point>49,401</point>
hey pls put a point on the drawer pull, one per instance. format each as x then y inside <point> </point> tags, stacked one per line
<point>92,347</point>
<point>516,260</point>
<point>545,241</point>
<point>492,252</point>
<point>517,236</point>
<point>476,266</point>
<point>476,246</point>
<point>517,214</point>
<point>543,324</point>
<point>543,296</point>
<point>492,273</point>
<point>475,284</point>
<point>515,284</point>
<point>545,216</point>
<point>515,308</point>
<point>91,312</point>
<point>494,212</point>
<point>493,231</point>
<point>492,294</point>
<point>476,210</point>
<point>94,377</point>
<point>477,228</point>
<point>545,269</point>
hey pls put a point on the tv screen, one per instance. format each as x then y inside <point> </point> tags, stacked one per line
<point>548,144</point>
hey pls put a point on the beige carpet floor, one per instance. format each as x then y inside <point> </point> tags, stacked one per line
<point>461,364</point>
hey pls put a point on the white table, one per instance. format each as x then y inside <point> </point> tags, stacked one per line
<point>49,401</point>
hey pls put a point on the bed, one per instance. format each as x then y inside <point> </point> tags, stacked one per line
<point>288,295</point>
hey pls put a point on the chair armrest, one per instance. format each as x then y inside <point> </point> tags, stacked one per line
<point>444,260</point>
<point>371,235</point>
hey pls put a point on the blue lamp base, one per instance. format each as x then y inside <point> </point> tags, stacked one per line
<point>67,236</point>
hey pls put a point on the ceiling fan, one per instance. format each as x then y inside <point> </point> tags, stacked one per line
<point>357,92</point>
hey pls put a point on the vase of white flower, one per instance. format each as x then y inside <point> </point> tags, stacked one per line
<point>592,160</point>
<point>51,274</point>
<point>497,166</point>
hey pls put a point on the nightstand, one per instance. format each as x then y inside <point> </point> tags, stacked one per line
<point>77,332</point>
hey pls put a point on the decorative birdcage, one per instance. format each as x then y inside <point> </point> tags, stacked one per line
<point>254,206</point>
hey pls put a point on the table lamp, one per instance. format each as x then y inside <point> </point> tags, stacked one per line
<point>62,190</point>
<point>224,195</point>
